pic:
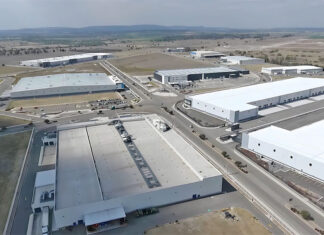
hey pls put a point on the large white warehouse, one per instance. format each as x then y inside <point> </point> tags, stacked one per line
<point>100,178</point>
<point>301,149</point>
<point>302,69</point>
<point>242,60</point>
<point>243,103</point>
<point>65,60</point>
<point>177,76</point>
<point>64,84</point>
<point>206,54</point>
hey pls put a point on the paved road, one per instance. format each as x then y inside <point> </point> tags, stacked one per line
<point>263,187</point>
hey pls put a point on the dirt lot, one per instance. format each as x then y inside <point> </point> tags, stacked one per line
<point>12,149</point>
<point>6,121</point>
<point>71,99</point>
<point>214,223</point>
<point>4,70</point>
<point>89,67</point>
<point>148,63</point>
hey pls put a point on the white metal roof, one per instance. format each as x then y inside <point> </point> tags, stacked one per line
<point>184,72</point>
<point>238,99</point>
<point>66,58</point>
<point>44,178</point>
<point>63,80</point>
<point>104,216</point>
<point>307,140</point>
<point>299,67</point>
<point>238,58</point>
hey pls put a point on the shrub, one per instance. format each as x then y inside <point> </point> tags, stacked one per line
<point>306,215</point>
<point>202,136</point>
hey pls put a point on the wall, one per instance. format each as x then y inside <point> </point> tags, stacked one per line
<point>155,197</point>
<point>287,157</point>
<point>62,91</point>
<point>211,109</point>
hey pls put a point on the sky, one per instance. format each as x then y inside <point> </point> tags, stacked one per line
<point>16,14</point>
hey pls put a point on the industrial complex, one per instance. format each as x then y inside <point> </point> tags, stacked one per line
<point>242,60</point>
<point>65,84</point>
<point>97,184</point>
<point>301,149</point>
<point>206,54</point>
<point>302,69</point>
<point>178,76</point>
<point>243,103</point>
<point>65,60</point>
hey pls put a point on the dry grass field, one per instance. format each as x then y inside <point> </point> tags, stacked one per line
<point>6,121</point>
<point>4,70</point>
<point>89,67</point>
<point>71,99</point>
<point>12,151</point>
<point>148,63</point>
<point>214,223</point>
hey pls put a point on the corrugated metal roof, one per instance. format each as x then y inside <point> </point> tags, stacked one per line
<point>177,72</point>
<point>62,80</point>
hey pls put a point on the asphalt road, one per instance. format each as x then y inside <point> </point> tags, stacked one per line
<point>263,187</point>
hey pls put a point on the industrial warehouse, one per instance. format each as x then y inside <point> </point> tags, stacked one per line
<point>206,54</point>
<point>242,60</point>
<point>301,149</point>
<point>302,69</point>
<point>243,103</point>
<point>65,84</point>
<point>65,60</point>
<point>101,175</point>
<point>179,76</point>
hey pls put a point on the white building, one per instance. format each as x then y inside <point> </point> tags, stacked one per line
<point>302,69</point>
<point>65,60</point>
<point>100,178</point>
<point>301,149</point>
<point>176,50</point>
<point>206,54</point>
<point>64,84</point>
<point>43,194</point>
<point>243,103</point>
<point>242,60</point>
<point>178,76</point>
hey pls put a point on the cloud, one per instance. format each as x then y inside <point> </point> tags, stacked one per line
<point>222,13</point>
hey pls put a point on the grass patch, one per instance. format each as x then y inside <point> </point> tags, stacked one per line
<point>12,152</point>
<point>62,100</point>
<point>6,121</point>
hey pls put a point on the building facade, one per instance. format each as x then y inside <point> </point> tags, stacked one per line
<point>242,60</point>
<point>300,149</point>
<point>243,103</point>
<point>288,70</point>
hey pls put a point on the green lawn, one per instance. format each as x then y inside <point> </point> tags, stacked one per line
<point>12,151</point>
